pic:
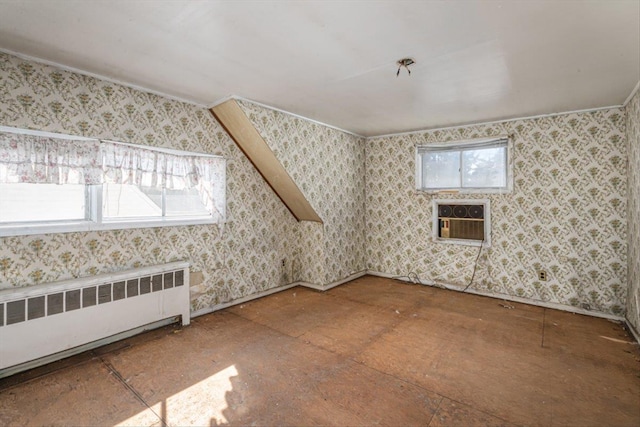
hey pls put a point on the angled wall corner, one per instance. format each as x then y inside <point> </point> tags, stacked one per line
<point>246,136</point>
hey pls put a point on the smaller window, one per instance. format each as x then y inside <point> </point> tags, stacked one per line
<point>475,166</point>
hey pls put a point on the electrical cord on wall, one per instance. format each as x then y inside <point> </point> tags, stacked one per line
<point>475,267</point>
<point>414,278</point>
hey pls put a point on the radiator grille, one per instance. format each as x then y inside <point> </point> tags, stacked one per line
<point>26,309</point>
<point>55,303</point>
<point>15,312</point>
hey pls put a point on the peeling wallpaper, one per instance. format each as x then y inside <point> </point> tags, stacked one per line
<point>242,259</point>
<point>566,214</point>
<point>328,167</point>
<point>633,144</point>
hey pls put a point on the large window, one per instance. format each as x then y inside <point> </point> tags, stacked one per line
<point>42,202</point>
<point>475,166</point>
<point>54,183</point>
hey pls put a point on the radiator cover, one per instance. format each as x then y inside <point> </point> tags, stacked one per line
<point>42,320</point>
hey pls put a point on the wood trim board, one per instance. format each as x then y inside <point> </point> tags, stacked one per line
<point>246,136</point>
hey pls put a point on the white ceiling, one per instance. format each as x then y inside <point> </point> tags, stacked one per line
<point>335,61</point>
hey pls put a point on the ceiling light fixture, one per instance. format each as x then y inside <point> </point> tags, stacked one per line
<point>405,62</point>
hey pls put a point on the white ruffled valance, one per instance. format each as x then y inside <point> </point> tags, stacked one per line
<point>46,160</point>
<point>27,158</point>
<point>126,164</point>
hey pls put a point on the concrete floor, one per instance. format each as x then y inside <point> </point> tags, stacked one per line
<point>372,351</point>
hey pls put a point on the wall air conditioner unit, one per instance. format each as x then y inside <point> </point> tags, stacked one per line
<point>465,222</point>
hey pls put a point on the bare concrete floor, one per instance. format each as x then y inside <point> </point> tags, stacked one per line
<point>373,351</point>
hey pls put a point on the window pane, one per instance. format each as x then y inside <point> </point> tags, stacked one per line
<point>441,169</point>
<point>482,168</point>
<point>130,201</point>
<point>185,203</point>
<point>41,202</point>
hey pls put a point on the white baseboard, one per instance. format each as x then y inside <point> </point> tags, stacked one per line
<point>244,299</point>
<point>635,333</point>
<point>539,303</point>
<point>328,286</point>
<point>275,290</point>
<point>359,274</point>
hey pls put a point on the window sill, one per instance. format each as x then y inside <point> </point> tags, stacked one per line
<point>464,242</point>
<point>27,229</point>
<point>443,192</point>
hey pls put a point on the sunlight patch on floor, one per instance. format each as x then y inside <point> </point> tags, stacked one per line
<point>203,403</point>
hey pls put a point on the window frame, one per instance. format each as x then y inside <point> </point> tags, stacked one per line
<point>460,147</point>
<point>94,220</point>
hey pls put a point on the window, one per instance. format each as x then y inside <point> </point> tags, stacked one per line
<point>475,166</point>
<point>42,202</point>
<point>55,183</point>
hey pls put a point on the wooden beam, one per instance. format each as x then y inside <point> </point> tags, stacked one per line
<point>246,136</point>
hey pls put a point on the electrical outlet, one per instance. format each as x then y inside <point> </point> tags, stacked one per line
<point>542,275</point>
<point>284,262</point>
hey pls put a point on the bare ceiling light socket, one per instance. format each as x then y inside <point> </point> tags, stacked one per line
<point>405,62</point>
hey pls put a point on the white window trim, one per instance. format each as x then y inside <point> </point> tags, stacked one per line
<point>94,220</point>
<point>96,223</point>
<point>435,225</point>
<point>452,145</point>
<point>47,227</point>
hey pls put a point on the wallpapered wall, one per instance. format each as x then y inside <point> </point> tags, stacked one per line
<point>633,143</point>
<point>566,214</point>
<point>328,166</point>
<point>243,259</point>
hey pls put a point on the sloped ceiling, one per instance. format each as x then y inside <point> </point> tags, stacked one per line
<point>335,61</point>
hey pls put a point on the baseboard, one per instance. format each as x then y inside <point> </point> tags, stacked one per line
<point>633,330</point>
<point>328,286</point>
<point>248,298</point>
<point>539,303</point>
<point>242,300</point>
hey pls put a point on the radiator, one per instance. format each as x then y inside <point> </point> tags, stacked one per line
<point>42,321</point>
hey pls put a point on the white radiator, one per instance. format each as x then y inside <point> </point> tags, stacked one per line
<point>39,321</point>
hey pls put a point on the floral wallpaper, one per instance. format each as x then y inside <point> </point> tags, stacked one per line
<point>566,214</point>
<point>328,166</point>
<point>633,144</point>
<point>240,259</point>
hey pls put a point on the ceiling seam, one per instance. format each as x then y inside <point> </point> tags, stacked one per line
<point>539,116</point>
<point>236,97</point>
<point>240,98</point>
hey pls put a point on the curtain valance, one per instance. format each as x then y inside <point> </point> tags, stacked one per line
<point>28,158</point>
<point>46,160</point>
<point>126,164</point>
